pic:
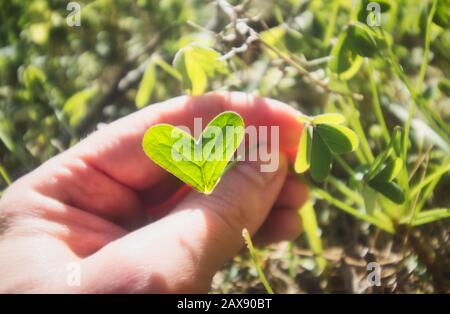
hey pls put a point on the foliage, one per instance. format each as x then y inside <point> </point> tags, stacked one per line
<point>389,82</point>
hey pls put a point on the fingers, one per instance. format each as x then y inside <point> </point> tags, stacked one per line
<point>283,222</point>
<point>182,251</point>
<point>293,194</point>
<point>280,225</point>
<point>73,182</point>
<point>116,149</point>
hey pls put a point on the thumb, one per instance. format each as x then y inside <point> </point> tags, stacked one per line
<point>182,251</point>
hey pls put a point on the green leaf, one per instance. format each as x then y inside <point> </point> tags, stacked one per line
<point>196,64</point>
<point>444,87</point>
<point>321,161</point>
<point>198,163</point>
<point>390,190</point>
<point>390,170</point>
<point>304,118</point>
<point>397,140</point>
<point>338,138</point>
<point>431,215</point>
<point>362,39</point>
<point>32,76</point>
<point>442,15</point>
<point>334,118</point>
<point>369,199</point>
<point>344,61</point>
<point>146,86</point>
<point>312,232</point>
<point>76,106</point>
<point>302,160</point>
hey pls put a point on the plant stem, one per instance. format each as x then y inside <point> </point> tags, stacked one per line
<point>331,23</point>
<point>376,104</point>
<point>354,212</point>
<point>426,52</point>
<point>304,72</point>
<point>254,257</point>
<point>345,165</point>
<point>433,119</point>
<point>345,190</point>
<point>355,123</point>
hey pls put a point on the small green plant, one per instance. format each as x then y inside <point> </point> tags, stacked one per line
<point>323,136</point>
<point>199,163</point>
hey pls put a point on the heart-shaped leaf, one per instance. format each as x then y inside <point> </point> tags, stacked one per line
<point>199,163</point>
<point>338,138</point>
<point>303,158</point>
<point>321,158</point>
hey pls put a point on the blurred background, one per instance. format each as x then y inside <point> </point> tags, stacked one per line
<point>66,68</point>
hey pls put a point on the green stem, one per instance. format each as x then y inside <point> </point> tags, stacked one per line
<point>345,190</point>
<point>355,123</point>
<point>377,105</point>
<point>254,257</point>
<point>426,52</point>
<point>345,165</point>
<point>388,227</point>
<point>433,119</point>
<point>331,23</point>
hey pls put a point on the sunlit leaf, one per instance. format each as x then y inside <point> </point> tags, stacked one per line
<point>335,118</point>
<point>344,61</point>
<point>302,161</point>
<point>76,106</point>
<point>32,76</point>
<point>312,231</point>
<point>146,86</point>
<point>201,163</point>
<point>431,215</point>
<point>196,64</point>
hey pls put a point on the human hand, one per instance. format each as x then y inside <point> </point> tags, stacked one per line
<point>131,226</point>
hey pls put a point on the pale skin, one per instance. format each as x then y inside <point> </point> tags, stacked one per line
<point>131,226</point>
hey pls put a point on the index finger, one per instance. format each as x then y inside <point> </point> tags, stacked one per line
<point>116,148</point>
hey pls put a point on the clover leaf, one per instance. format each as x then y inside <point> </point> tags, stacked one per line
<point>198,163</point>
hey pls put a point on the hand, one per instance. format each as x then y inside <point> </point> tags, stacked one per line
<point>132,227</point>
